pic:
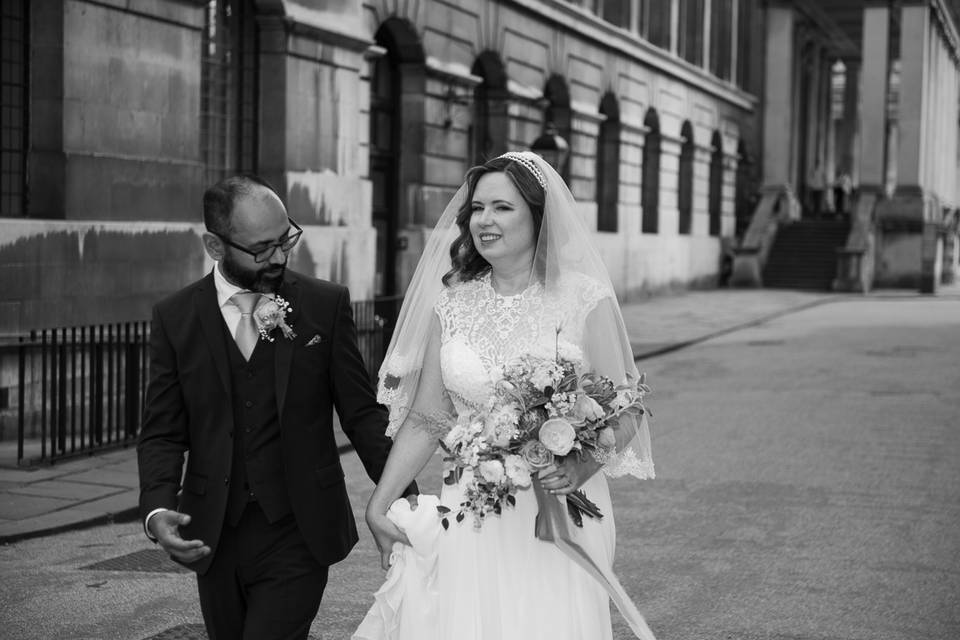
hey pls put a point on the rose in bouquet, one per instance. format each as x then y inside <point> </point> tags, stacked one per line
<point>540,411</point>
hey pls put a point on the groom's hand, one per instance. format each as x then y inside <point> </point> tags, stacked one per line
<point>165,527</point>
<point>385,533</point>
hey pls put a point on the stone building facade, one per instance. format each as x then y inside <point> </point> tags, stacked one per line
<point>365,116</point>
<point>688,122</point>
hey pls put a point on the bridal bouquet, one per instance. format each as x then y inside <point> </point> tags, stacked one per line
<point>540,411</point>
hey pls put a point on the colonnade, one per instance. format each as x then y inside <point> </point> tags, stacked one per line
<point>892,127</point>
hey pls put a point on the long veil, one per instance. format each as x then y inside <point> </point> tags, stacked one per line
<point>565,254</point>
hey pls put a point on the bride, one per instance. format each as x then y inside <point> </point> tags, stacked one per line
<point>509,271</point>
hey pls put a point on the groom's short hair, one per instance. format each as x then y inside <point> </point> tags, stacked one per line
<point>220,199</point>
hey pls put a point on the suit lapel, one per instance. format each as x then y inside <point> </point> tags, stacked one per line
<point>211,322</point>
<point>283,354</point>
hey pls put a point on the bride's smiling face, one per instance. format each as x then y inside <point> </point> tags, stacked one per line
<point>501,223</point>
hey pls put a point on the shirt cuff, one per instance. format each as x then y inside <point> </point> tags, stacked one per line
<point>146,521</point>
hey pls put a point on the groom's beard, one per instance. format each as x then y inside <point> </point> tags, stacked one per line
<point>267,279</point>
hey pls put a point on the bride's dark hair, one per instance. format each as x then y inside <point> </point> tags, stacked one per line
<point>467,262</point>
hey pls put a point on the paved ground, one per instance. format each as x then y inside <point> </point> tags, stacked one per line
<point>807,489</point>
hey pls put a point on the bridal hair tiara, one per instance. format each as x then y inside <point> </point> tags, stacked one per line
<point>523,157</point>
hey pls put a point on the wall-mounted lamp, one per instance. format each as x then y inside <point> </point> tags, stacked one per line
<point>452,103</point>
<point>551,147</point>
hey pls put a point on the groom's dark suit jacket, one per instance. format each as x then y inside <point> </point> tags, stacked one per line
<point>192,407</point>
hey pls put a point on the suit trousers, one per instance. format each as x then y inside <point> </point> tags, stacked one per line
<point>263,583</point>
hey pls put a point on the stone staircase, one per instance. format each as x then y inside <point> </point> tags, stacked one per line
<point>804,255</point>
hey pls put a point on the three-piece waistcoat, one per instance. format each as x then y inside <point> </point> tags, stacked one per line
<point>257,466</point>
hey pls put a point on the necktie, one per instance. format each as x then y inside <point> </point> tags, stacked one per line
<point>246,334</point>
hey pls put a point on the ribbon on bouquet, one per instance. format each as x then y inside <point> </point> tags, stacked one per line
<point>553,525</point>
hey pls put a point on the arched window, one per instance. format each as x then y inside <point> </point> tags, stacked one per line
<point>490,101</point>
<point>608,164</point>
<point>558,113</point>
<point>715,197</point>
<point>650,187</point>
<point>685,180</point>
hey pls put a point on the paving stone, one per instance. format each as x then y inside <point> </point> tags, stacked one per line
<point>117,503</point>
<point>106,476</point>
<point>65,489</point>
<point>19,507</point>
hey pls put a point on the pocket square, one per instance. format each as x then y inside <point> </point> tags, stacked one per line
<point>315,340</point>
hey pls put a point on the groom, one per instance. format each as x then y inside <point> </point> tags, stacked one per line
<point>246,367</point>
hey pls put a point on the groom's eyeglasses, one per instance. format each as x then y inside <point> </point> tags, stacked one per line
<point>265,253</point>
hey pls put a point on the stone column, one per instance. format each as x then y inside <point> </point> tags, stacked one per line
<point>778,111</point>
<point>914,83</point>
<point>914,207</point>
<point>828,139</point>
<point>779,144</point>
<point>847,127</point>
<point>812,137</point>
<point>873,113</point>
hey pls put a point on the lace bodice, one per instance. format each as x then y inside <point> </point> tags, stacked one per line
<point>481,330</point>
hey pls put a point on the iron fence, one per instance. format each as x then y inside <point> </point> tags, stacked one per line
<point>80,390</point>
<point>370,328</point>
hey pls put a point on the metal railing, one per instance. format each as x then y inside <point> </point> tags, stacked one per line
<point>81,390</point>
<point>375,320</point>
<point>369,335</point>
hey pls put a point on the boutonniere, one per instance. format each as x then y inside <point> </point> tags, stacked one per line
<point>272,314</point>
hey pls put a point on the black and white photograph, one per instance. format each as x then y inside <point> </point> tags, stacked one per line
<point>480,319</point>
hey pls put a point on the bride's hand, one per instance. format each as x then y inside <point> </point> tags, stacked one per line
<point>385,533</point>
<point>569,475</point>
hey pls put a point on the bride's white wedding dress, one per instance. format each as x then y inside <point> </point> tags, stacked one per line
<point>498,581</point>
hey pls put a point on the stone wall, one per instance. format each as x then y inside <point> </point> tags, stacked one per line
<point>131,112</point>
<point>68,273</point>
<point>65,273</point>
<point>116,170</point>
